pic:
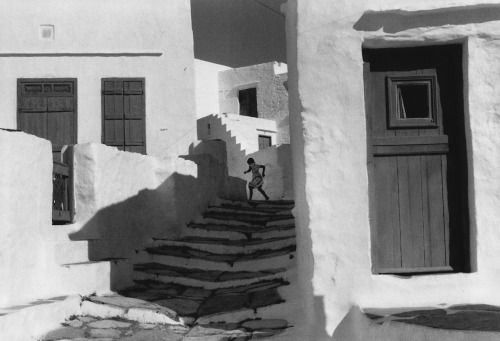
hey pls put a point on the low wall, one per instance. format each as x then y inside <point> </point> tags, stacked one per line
<point>127,198</point>
<point>25,215</point>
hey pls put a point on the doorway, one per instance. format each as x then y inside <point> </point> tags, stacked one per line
<point>47,108</point>
<point>417,159</point>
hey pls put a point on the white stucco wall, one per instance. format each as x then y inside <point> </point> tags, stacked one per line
<point>241,135</point>
<point>127,198</point>
<point>328,138</point>
<point>99,39</point>
<point>272,96</point>
<point>33,251</point>
<point>207,87</point>
<point>25,212</point>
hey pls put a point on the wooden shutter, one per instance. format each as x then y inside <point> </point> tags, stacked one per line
<point>123,110</point>
<point>47,109</point>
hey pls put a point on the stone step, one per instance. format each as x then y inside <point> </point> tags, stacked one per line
<point>247,218</point>
<point>235,232</point>
<point>265,204</point>
<point>247,211</point>
<point>96,276</point>
<point>207,279</point>
<point>223,246</point>
<point>192,258</point>
<point>249,208</point>
<point>117,306</point>
<point>199,304</point>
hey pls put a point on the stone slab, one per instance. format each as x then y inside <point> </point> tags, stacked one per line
<point>265,324</point>
<point>154,335</point>
<point>64,333</point>
<point>103,333</point>
<point>107,324</point>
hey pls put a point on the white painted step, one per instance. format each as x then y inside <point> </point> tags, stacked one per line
<point>96,276</point>
<point>254,212</point>
<point>281,261</point>
<point>138,275</point>
<point>222,249</point>
<point>257,204</point>
<point>234,235</point>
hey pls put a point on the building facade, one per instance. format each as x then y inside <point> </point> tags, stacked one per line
<point>398,101</point>
<point>73,75</point>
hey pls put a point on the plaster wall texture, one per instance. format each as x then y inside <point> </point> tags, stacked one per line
<point>207,87</point>
<point>272,96</point>
<point>29,252</point>
<point>241,135</point>
<point>325,41</point>
<point>99,39</point>
<point>127,198</point>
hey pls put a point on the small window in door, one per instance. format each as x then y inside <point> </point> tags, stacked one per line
<point>264,142</point>
<point>412,101</point>
<point>248,102</point>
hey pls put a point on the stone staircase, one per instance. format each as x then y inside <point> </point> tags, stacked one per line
<point>235,264</point>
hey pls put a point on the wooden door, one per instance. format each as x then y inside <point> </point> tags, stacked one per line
<point>123,114</point>
<point>47,108</point>
<point>417,159</point>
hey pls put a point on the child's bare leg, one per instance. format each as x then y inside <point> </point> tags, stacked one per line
<point>251,192</point>
<point>263,193</point>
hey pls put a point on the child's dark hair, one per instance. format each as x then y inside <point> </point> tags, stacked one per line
<point>250,160</point>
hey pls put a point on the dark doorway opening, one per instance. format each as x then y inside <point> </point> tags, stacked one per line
<point>417,159</point>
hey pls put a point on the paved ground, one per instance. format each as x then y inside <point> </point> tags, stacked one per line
<point>85,328</point>
<point>477,317</point>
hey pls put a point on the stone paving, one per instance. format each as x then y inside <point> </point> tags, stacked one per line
<point>88,328</point>
<point>232,272</point>
<point>197,302</point>
<point>471,317</point>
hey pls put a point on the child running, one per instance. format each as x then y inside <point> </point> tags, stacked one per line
<point>257,179</point>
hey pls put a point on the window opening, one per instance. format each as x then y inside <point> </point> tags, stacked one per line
<point>248,102</point>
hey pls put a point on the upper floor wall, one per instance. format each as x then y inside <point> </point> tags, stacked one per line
<point>270,96</point>
<point>94,40</point>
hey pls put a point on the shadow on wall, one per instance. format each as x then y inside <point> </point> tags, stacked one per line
<point>117,229</point>
<point>234,187</point>
<point>398,20</point>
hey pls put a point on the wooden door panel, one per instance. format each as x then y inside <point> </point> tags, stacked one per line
<point>415,157</point>
<point>47,108</point>
<point>437,208</point>
<point>60,103</point>
<point>387,218</point>
<point>32,104</point>
<point>34,123</point>
<point>60,129</point>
